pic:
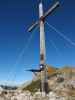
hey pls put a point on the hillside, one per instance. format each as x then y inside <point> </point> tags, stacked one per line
<point>62,81</point>
<point>33,87</point>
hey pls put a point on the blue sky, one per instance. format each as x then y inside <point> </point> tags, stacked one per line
<point>19,49</point>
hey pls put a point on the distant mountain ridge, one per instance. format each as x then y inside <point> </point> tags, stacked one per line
<point>6,87</point>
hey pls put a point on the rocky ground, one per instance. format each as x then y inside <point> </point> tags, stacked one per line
<point>26,95</point>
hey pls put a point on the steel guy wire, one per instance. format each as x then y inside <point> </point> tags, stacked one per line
<point>61,34</point>
<point>20,56</point>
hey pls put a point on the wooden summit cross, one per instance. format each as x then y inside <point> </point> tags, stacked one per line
<point>40,22</point>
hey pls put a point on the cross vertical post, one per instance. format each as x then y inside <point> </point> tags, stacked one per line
<point>42,35</point>
<point>40,22</point>
<point>42,47</point>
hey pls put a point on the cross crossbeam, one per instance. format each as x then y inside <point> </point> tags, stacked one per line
<point>50,10</point>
